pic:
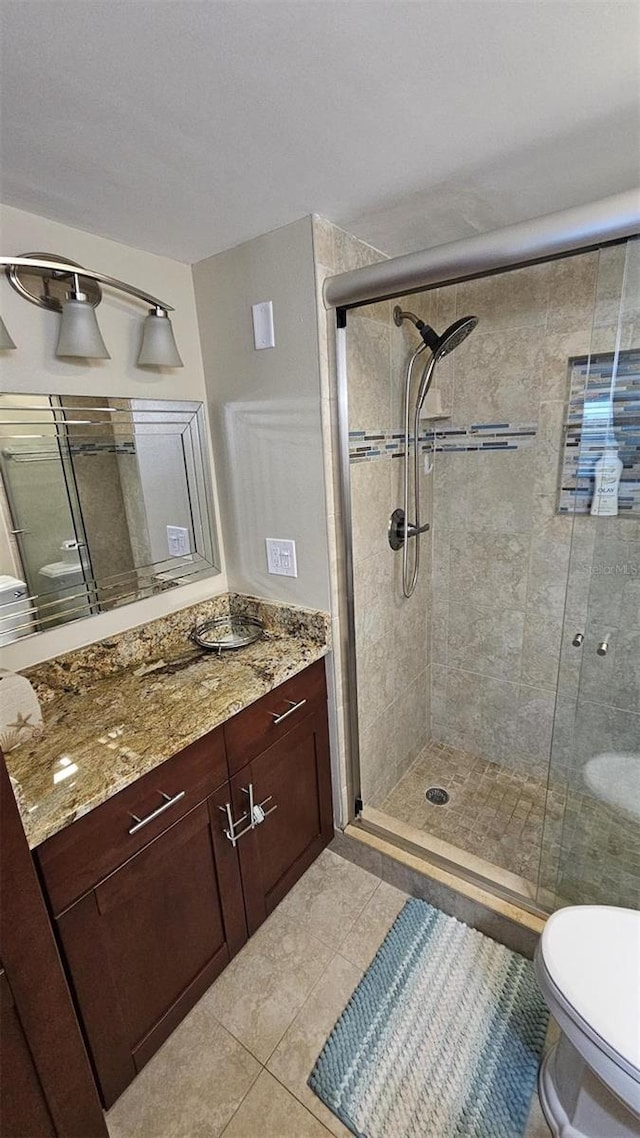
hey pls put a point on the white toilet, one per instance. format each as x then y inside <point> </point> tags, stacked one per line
<point>588,969</point>
<point>16,609</point>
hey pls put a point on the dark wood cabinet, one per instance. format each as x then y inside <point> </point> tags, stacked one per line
<point>146,942</point>
<point>292,779</point>
<point>46,1084</point>
<point>155,890</point>
<point>23,1106</point>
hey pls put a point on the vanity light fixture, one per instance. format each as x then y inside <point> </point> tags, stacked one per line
<point>158,346</point>
<point>79,332</point>
<point>63,286</point>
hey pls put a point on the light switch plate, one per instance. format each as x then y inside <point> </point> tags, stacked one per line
<point>264,335</point>
<point>178,541</point>
<point>281,556</point>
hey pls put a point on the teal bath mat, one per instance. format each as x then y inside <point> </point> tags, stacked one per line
<point>441,1038</point>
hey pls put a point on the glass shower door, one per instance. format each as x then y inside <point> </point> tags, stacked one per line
<point>591,846</point>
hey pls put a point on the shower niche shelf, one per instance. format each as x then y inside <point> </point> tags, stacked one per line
<point>604,396</point>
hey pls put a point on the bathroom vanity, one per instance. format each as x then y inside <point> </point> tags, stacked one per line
<point>154,888</point>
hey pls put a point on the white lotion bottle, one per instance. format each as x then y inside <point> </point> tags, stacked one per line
<point>608,471</point>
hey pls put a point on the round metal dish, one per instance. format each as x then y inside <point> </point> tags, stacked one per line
<point>226,632</point>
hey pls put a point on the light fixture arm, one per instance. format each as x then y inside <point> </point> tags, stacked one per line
<point>77,270</point>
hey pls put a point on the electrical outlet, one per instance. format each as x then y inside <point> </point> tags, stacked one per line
<point>281,556</point>
<point>178,541</point>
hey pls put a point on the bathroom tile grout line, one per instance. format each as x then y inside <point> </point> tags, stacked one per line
<point>335,952</point>
<point>264,1065</point>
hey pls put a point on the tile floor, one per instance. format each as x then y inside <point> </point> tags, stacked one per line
<point>578,848</point>
<point>237,1066</point>
<point>494,813</point>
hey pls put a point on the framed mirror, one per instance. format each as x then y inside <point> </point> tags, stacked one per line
<point>104,501</point>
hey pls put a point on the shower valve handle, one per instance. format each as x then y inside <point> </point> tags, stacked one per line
<point>413,531</point>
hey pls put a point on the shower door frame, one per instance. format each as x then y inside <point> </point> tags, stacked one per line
<point>543,239</point>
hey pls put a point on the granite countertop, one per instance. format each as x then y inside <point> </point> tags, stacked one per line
<point>114,711</point>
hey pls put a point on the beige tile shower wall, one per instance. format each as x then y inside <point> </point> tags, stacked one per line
<point>392,633</point>
<point>501,555</point>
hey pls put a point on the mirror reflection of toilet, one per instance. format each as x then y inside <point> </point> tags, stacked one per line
<point>588,968</point>
<point>16,609</point>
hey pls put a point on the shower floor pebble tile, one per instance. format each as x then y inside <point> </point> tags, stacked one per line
<point>492,813</point>
<point>579,849</point>
<point>206,1081</point>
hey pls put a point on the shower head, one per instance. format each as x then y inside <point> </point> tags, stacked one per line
<point>454,335</point>
<point>450,338</point>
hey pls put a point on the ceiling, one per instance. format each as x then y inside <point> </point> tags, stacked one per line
<point>187,126</point>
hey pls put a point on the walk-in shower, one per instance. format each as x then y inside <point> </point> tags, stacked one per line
<point>400,529</point>
<point>485,678</point>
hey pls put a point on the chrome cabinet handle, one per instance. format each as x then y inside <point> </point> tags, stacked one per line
<point>168,801</point>
<point>257,811</point>
<point>255,816</point>
<point>578,640</point>
<point>285,714</point>
<point>603,648</point>
<point>230,832</point>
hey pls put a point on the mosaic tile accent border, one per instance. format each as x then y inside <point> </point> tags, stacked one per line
<point>127,446</point>
<point>49,453</point>
<point>366,445</point>
<point>601,387</point>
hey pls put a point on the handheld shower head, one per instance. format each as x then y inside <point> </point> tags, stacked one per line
<point>447,342</point>
<point>454,335</point>
<point>450,338</point>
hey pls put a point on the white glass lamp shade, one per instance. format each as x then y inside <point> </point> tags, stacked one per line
<point>5,339</point>
<point>79,332</point>
<point>158,348</point>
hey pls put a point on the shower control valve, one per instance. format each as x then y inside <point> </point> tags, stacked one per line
<point>399,530</point>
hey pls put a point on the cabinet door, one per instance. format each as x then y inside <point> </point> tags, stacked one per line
<point>23,1106</point>
<point>294,774</point>
<point>146,942</point>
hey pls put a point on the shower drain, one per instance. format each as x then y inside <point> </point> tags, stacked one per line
<point>437,795</point>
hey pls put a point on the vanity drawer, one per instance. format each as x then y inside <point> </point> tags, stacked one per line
<point>251,731</point>
<point>74,860</point>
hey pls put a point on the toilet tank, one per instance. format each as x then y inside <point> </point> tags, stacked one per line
<point>16,609</point>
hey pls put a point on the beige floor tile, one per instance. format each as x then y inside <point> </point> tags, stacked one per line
<point>190,1088</point>
<point>363,941</point>
<point>269,1111</point>
<point>329,898</point>
<point>261,991</point>
<point>295,1055</point>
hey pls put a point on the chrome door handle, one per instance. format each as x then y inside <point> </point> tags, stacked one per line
<point>603,648</point>
<point>285,714</point>
<point>578,640</point>
<point>168,801</point>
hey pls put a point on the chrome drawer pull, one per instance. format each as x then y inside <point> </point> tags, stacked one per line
<point>294,707</point>
<point>168,801</point>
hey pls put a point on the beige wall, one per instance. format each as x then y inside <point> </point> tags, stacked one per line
<point>33,367</point>
<point>265,410</point>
